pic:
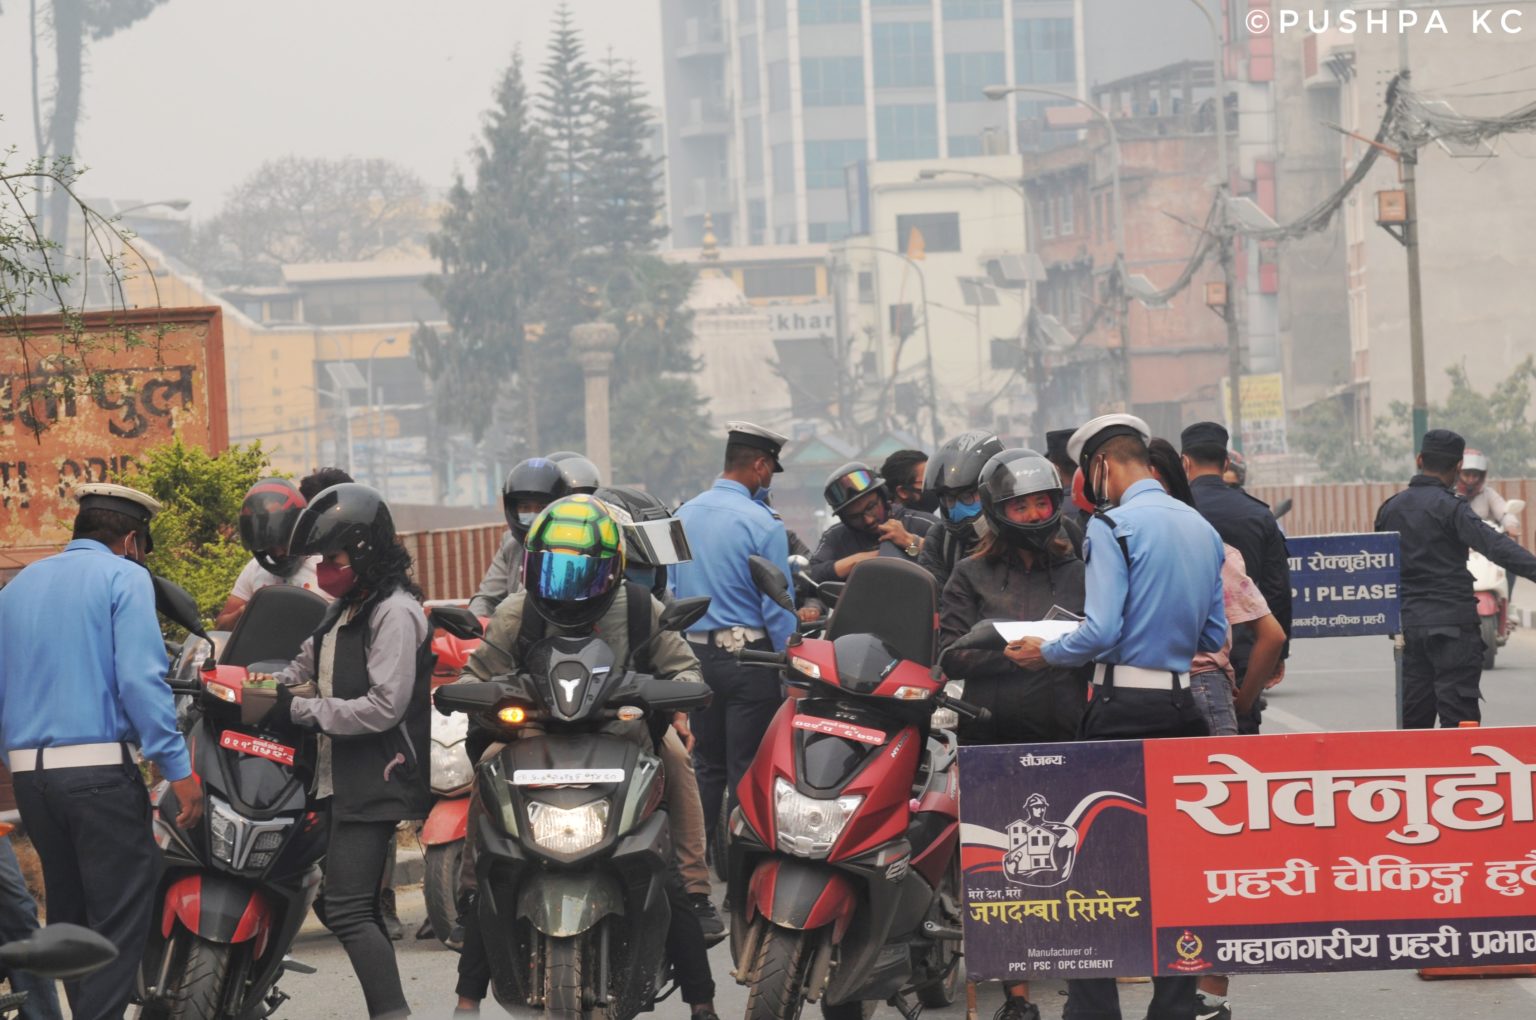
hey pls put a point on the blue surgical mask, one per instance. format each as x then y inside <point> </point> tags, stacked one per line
<point>645,577</point>
<point>761,493</point>
<point>962,512</point>
<point>526,520</point>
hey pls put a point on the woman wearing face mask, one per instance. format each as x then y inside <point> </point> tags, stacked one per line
<point>1022,569</point>
<point>372,663</point>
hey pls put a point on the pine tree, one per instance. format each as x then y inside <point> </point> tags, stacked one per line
<point>565,108</point>
<point>621,191</point>
<point>502,250</point>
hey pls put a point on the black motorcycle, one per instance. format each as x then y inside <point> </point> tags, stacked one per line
<point>239,883</point>
<point>572,849</point>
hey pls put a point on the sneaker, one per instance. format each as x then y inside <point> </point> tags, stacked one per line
<point>709,918</point>
<point>1015,1008</point>
<point>1211,1007</point>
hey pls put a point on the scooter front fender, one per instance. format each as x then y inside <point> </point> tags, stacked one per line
<point>804,895</point>
<point>563,905</point>
<point>219,909</point>
<point>448,822</point>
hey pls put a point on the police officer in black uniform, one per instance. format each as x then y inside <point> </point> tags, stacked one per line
<point>1247,525</point>
<point>1443,652</point>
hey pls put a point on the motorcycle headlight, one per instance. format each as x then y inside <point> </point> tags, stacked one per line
<point>451,768</point>
<point>568,830</point>
<point>223,825</point>
<point>808,827</point>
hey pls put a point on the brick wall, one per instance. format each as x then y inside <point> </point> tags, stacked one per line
<point>450,562</point>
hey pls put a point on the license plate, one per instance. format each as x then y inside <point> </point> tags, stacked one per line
<point>838,728</point>
<point>566,777</point>
<point>247,744</point>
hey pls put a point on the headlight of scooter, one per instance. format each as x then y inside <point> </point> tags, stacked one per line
<point>568,830</point>
<point>223,825</point>
<point>808,827</point>
<point>451,768</point>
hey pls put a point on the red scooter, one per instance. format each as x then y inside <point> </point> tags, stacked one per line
<point>453,774</point>
<point>844,871</point>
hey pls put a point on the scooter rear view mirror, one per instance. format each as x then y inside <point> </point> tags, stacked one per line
<point>684,613</point>
<point>176,604</point>
<point>770,580</point>
<point>456,620</point>
<point>61,951</point>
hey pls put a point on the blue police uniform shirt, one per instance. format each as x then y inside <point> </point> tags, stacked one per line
<point>1173,610</point>
<point>725,526</point>
<point>82,660</point>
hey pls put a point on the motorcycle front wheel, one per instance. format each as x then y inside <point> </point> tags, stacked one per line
<point>1488,628</point>
<point>779,974</point>
<point>563,979</point>
<point>440,887</point>
<point>199,988</point>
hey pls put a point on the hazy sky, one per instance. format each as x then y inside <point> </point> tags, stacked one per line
<point>189,101</point>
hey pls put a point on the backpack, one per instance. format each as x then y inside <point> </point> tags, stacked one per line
<point>638,624</point>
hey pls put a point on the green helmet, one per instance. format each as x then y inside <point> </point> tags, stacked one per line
<point>574,561</point>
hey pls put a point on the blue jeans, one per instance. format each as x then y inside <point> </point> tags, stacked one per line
<point>1213,697</point>
<point>18,920</point>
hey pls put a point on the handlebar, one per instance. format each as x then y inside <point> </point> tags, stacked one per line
<point>753,657</point>
<point>964,708</point>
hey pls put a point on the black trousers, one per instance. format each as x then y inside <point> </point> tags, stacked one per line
<point>354,869</point>
<point>1134,713</point>
<point>727,733</point>
<point>91,827</point>
<point>1442,675</point>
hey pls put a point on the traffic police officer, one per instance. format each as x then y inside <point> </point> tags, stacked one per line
<point>1247,525</point>
<point>726,525</point>
<point>82,682</point>
<point>1153,600</point>
<point>1443,652</point>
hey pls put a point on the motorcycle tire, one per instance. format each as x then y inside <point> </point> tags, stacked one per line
<point>1488,628</point>
<point>563,979</point>
<point>779,974</point>
<point>948,956</point>
<point>199,989</point>
<point>440,887</point>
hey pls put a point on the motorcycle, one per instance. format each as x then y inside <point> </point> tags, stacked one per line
<point>572,851</point>
<point>452,776</point>
<point>844,871</point>
<point>239,883</point>
<point>1491,587</point>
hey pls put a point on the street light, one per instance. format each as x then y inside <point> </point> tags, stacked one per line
<point>999,92</point>
<point>178,204</point>
<point>376,429</point>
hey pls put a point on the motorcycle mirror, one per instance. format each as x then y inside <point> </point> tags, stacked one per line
<point>63,951</point>
<point>770,580</point>
<point>684,613</point>
<point>1514,506</point>
<point>1283,507</point>
<point>476,697</point>
<point>456,620</point>
<point>176,604</point>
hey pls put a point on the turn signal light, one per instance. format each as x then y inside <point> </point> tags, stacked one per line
<point>224,693</point>
<point>512,715</point>
<point>912,694</point>
<point>629,713</point>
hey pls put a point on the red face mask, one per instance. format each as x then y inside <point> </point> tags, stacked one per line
<point>334,580</point>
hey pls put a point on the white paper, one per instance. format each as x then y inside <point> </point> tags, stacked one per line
<point>1045,630</point>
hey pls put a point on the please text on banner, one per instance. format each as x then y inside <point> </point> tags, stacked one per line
<point>1344,585</point>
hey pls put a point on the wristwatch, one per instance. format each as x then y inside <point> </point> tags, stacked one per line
<point>914,547</point>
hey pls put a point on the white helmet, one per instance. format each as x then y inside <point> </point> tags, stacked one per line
<point>1474,460</point>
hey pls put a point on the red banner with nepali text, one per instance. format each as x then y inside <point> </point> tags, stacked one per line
<point>1285,853</point>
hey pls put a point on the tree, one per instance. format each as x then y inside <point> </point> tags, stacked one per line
<point>300,209</point>
<point>621,190</point>
<point>565,108</point>
<point>502,248</point>
<point>196,544</point>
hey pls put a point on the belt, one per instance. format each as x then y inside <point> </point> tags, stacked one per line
<point>1136,678</point>
<point>729,638</point>
<point>71,756</point>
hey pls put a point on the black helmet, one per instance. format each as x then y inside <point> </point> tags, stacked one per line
<point>848,483</point>
<point>958,465</point>
<point>580,474</point>
<point>574,561</point>
<point>270,510</point>
<point>350,518</point>
<point>1014,473</point>
<point>537,479</point>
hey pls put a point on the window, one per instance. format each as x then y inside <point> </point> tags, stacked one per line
<point>778,86</point>
<point>907,132</point>
<point>778,281</point>
<point>825,162</point>
<point>866,286</point>
<point>832,81</point>
<point>746,11</point>
<point>773,14</point>
<point>784,169</point>
<point>960,9</point>
<point>898,3</point>
<point>903,54</point>
<point>1068,215</point>
<point>1044,50</point>
<point>966,74</point>
<point>941,231</point>
<point>901,320</point>
<point>965,145</point>
<point>752,141</point>
<point>1047,218</point>
<point>822,233</point>
<point>750,88</point>
<point>829,12</point>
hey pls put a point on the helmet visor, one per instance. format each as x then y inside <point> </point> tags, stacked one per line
<point>570,577</point>
<point>846,488</point>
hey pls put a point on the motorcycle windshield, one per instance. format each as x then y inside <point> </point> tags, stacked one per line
<point>863,662</point>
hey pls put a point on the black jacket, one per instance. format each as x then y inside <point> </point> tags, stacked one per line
<point>1026,706</point>
<point>942,549</point>
<point>840,541</point>
<point>1249,526</point>
<point>1437,529</point>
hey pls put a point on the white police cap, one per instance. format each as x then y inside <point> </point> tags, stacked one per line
<point>1086,440</point>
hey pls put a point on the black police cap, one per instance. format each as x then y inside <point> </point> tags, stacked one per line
<point>1444,443</point>
<point>1204,434</point>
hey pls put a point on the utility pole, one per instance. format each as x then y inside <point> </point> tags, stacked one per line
<point>1408,164</point>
